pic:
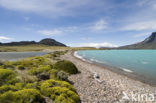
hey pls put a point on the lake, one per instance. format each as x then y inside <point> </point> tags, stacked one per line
<point>139,62</point>
<point>11,56</point>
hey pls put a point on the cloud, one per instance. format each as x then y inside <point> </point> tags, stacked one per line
<point>50,32</point>
<point>54,7</point>
<point>4,38</point>
<point>99,25</point>
<point>58,31</point>
<point>146,25</point>
<point>154,6</point>
<point>69,29</point>
<point>97,45</point>
<point>141,35</point>
<point>142,2</point>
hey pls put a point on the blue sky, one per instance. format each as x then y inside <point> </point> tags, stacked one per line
<point>78,22</point>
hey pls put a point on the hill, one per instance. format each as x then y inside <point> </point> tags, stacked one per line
<point>47,41</point>
<point>148,43</point>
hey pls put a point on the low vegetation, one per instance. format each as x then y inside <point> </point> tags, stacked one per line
<point>66,66</point>
<point>36,79</point>
<point>37,47</point>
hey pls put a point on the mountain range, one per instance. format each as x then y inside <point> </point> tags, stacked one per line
<point>148,43</point>
<point>47,41</point>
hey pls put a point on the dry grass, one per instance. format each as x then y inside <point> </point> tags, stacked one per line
<point>39,48</point>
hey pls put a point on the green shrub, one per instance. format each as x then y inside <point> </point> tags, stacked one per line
<point>20,67</point>
<point>25,63</point>
<point>62,76</point>
<point>7,97</point>
<point>24,77</point>
<point>8,64</point>
<point>55,54</point>
<point>48,56</point>
<point>16,87</point>
<point>44,68</point>
<point>43,76</point>
<point>29,96</point>
<point>1,63</point>
<point>59,91</point>
<point>33,71</point>
<point>53,74</point>
<point>64,95</point>
<point>22,96</point>
<point>19,86</point>
<point>39,61</point>
<point>6,88</point>
<point>66,66</point>
<point>31,62</point>
<point>48,84</point>
<point>40,69</point>
<point>32,85</point>
<point>42,72</point>
<point>7,77</point>
<point>58,75</point>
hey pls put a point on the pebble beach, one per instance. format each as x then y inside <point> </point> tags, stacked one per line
<point>113,87</point>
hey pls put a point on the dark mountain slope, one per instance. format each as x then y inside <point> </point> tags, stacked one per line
<point>148,43</point>
<point>51,42</point>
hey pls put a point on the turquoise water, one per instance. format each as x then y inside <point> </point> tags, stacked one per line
<point>11,56</point>
<point>141,62</point>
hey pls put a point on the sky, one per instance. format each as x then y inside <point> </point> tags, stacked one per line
<point>108,23</point>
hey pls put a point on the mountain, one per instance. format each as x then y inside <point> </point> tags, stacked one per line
<point>47,41</point>
<point>18,43</point>
<point>51,42</point>
<point>148,43</point>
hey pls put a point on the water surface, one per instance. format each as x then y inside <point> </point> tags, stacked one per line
<point>11,56</point>
<point>140,62</point>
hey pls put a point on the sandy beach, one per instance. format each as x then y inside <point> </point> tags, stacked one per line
<point>113,87</point>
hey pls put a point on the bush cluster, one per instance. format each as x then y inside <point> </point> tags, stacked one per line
<point>22,96</point>
<point>58,75</point>
<point>7,77</point>
<point>59,91</point>
<point>32,79</point>
<point>55,54</point>
<point>66,66</point>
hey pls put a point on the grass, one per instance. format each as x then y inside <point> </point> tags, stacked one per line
<point>39,48</point>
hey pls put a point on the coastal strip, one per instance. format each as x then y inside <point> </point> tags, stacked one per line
<point>111,89</point>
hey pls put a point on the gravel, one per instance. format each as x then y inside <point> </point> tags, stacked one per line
<point>111,89</point>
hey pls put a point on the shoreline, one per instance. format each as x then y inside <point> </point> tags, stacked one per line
<point>112,87</point>
<point>119,71</point>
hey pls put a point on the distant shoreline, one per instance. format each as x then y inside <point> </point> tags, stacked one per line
<point>120,71</point>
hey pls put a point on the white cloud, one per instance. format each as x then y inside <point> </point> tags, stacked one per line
<point>4,38</point>
<point>99,25</point>
<point>154,6</point>
<point>146,25</point>
<point>70,29</point>
<point>97,45</point>
<point>50,32</point>
<point>59,31</point>
<point>54,7</point>
<point>141,35</point>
